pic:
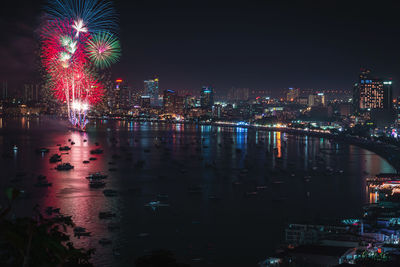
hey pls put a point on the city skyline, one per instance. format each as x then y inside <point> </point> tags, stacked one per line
<point>270,46</point>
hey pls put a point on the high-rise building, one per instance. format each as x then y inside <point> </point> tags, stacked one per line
<point>145,101</point>
<point>189,102</point>
<point>292,94</point>
<point>122,96</point>
<point>31,93</point>
<point>316,100</point>
<point>172,102</point>
<point>206,97</point>
<point>151,89</point>
<point>169,101</point>
<point>372,93</point>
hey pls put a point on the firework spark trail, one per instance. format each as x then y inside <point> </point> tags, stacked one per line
<point>76,39</point>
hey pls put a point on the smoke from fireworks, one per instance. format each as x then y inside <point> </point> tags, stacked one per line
<point>76,40</point>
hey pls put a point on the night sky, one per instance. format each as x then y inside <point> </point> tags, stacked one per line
<point>255,44</point>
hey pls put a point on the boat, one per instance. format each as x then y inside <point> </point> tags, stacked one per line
<point>85,161</point>
<point>64,167</point>
<point>112,169</point>
<point>81,231</point>
<point>72,143</point>
<point>251,194</point>
<point>97,176</point>
<point>96,151</point>
<point>96,184</point>
<point>92,158</point>
<point>43,183</point>
<point>110,193</point>
<point>64,148</point>
<point>41,150</point>
<point>141,235</point>
<point>55,158</point>
<point>106,214</point>
<point>156,204</point>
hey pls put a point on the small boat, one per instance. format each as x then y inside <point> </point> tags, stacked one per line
<point>84,140</point>
<point>251,194</point>
<point>92,158</point>
<point>41,150</point>
<point>106,214</point>
<point>96,176</point>
<point>112,169</point>
<point>64,148</point>
<point>96,151</point>
<point>79,234</point>
<point>155,204</point>
<point>55,158</point>
<point>72,143</point>
<point>85,161</point>
<point>64,167</point>
<point>142,235</point>
<point>110,193</point>
<point>43,183</point>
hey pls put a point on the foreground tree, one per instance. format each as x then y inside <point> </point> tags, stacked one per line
<point>38,241</point>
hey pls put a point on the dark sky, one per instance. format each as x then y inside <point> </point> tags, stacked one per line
<point>256,44</point>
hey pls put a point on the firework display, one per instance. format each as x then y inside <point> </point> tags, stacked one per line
<point>76,40</point>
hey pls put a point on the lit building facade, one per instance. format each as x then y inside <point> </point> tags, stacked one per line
<point>151,89</point>
<point>316,100</point>
<point>206,97</point>
<point>371,93</point>
<point>293,95</point>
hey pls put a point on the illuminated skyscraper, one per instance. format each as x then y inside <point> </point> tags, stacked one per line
<point>372,93</point>
<point>292,94</point>
<point>172,102</point>
<point>152,90</point>
<point>316,100</point>
<point>206,97</point>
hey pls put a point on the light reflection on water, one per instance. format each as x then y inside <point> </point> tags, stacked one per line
<point>235,229</point>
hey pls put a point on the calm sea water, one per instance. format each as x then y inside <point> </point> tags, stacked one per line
<point>227,224</point>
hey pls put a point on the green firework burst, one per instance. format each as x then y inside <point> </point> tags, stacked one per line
<point>103,49</point>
